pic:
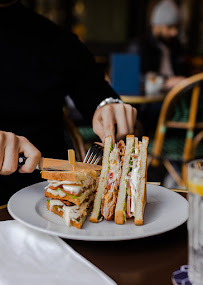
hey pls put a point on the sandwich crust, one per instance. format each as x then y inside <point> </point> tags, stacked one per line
<point>119,217</point>
<point>120,205</point>
<point>94,220</point>
<point>139,222</point>
<point>74,176</point>
<point>141,201</point>
<point>67,198</point>
<point>102,180</point>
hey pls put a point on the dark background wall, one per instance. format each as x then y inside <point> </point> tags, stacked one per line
<point>108,26</point>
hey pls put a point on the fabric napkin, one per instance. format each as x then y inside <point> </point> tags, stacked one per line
<point>31,257</point>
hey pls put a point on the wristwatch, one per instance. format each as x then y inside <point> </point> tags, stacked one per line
<point>109,100</point>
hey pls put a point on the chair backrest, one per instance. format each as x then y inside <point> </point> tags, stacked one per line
<point>190,122</point>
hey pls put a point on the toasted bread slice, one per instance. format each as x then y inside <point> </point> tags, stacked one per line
<point>108,146</point>
<point>74,176</point>
<point>87,206</point>
<point>120,211</point>
<point>141,198</point>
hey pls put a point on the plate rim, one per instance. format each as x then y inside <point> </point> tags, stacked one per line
<point>71,236</point>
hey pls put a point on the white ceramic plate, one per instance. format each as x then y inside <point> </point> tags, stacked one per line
<point>165,210</point>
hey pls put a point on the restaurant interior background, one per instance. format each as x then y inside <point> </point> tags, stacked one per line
<point>117,26</point>
<point>110,26</point>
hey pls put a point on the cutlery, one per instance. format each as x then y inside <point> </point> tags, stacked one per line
<point>51,164</point>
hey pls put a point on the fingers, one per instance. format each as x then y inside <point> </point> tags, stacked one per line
<point>2,147</point>
<point>9,153</point>
<point>134,118</point>
<point>121,120</point>
<point>125,118</point>
<point>32,154</point>
<point>122,115</point>
<point>109,122</point>
<point>104,122</point>
<point>10,147</point>
<point>97,124</point>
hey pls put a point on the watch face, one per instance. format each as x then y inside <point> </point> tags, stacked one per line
<point>180,276</point>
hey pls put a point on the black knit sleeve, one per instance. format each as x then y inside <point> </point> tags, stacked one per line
<point>85,81</point>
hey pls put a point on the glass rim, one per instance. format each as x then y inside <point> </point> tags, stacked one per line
<point>191,163</point>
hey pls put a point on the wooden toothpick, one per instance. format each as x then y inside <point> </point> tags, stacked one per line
<point>71,158</point>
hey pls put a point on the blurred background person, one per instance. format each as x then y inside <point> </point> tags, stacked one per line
<point>162,58</point>
<point>161,51</point>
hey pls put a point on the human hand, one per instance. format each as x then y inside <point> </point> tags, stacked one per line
<point>105,118</point>
<point>172,81</point>
<point>10,147</point>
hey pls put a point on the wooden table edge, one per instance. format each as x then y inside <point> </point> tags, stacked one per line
<point>141,99</point>
<point>3,207</point>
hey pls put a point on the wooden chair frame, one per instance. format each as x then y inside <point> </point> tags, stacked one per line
<point>197,140</point>
<point>193,83</point>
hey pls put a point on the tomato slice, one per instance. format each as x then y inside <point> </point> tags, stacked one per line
<point>111,175</point>
<point>55,188</point>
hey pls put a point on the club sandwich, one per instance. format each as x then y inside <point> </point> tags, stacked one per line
<point>71,194</point>
<point>121,192</point>
<point>107,191</point>
<point>132,191</point>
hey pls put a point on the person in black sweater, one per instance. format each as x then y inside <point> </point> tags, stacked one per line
<point>40,64</point>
